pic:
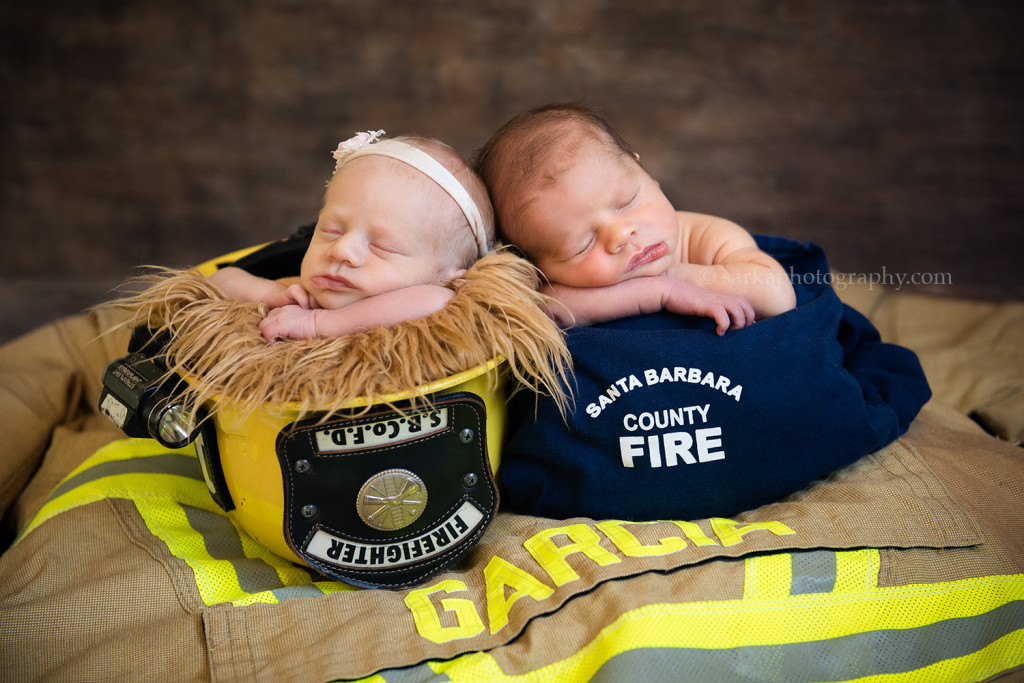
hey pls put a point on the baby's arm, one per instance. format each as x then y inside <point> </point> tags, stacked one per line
<point>236,283</point>
<point>721,256</point>
<point>637,296</point>
<point>389,308</point>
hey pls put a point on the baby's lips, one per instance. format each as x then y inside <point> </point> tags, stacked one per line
<point>337,284</point>
<point>651,253</point>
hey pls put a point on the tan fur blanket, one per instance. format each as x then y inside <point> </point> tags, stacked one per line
<point>496,313</point>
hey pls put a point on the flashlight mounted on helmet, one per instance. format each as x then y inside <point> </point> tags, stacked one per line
<point>140,398</point>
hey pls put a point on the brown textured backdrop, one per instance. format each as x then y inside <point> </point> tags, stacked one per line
<point>150,131</point>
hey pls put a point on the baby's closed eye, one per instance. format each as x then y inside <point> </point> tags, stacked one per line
<point>385,248</point>
<point>587,246</point>
<point>627,203</point>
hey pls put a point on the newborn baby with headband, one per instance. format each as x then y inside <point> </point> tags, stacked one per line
<point>401,217</point>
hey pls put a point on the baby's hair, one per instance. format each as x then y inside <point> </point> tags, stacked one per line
<point>459,238</point>
<point>522,151</point>
<point>457,241</point>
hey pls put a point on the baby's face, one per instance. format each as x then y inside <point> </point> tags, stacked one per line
<point>601,221</point>
<point>377,232</point>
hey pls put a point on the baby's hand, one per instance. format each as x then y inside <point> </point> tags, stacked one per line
<point>289,322</point>
<point>729,310</point>
<point>287,296</point>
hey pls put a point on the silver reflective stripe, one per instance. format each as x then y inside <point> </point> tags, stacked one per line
<point>421,673</point>
<point>872,653</point>
<point>813,572</point>
<point>166,463</point>
<point>223,543</point>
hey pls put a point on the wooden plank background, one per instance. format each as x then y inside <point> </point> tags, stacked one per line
<point>157,132</point>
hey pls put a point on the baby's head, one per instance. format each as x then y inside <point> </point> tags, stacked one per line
<point>533,148</point>
<point>397,212</point>
<point>570,193</point>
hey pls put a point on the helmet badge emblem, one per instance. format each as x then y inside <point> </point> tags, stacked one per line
<point>391,499</point>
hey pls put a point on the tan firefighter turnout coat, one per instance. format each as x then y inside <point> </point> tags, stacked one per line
<point>907,565</point>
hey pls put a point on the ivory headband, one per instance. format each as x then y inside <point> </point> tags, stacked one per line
<point>365,144</point>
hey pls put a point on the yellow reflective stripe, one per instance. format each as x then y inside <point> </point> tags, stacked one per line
<point>771,577</point>
<point>216,579</point>
<point>167,489</point>
<point>767,577</point>
<point>249,574</point>
<point>805,623</point>
<point>1005,653</point>
<point>857,570</point>
<point>79,488</point>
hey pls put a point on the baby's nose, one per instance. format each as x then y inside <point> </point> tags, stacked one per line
<point>349,250</point>
<point>619,232</point>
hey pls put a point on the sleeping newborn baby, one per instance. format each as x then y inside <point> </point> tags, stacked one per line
<point>400,217</point>
<point>572,195</point>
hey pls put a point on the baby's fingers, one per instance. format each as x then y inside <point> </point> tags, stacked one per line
<point>298,295</point>
<point>723,318</point>
<point>276,324</point>
<point>741,312</point>
<point>732,313</point>
<point>269,329</point>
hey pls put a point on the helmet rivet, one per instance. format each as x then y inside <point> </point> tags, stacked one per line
<point>466,435</point>
<point>310,511</point>
<point>303,466</point>
<point>469,480</point>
